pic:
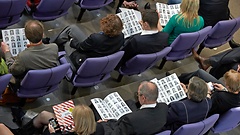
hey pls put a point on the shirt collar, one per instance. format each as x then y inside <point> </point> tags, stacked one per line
<point>148,106</point>
<point>149,32</point>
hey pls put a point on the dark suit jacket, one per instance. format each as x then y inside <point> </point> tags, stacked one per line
<point>187,111</point>
<point>223,101</point>
<point>96,45</point>
<point>99,44</point>
<point>142,122</point>
<point>144,44</point>
<point>213,11</point>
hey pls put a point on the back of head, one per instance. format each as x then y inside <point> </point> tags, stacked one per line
<point>189,11</point>
<point>149,90</point>
<point>197,89</point>
<point>151,17</point>
<point>34,31</point>
<point>111,25</point>
<point>232,80</point>
<point>84,120</point>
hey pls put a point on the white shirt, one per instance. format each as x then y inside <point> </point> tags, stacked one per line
<point>149,32</point>
<point>148,106</point>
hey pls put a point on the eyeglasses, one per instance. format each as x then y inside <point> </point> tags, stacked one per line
<point>137,94</point>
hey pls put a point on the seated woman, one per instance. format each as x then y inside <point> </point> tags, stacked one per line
<point>83,118</point>
<point>193,109</point>
<point>104,43</point>
<point>186,21</point>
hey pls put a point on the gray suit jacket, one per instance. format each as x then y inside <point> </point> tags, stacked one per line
<point>35,57</point>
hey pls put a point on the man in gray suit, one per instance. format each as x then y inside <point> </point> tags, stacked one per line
<point>36,56</point>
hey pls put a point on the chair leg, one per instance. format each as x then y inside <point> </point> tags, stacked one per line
<point>81,14</point>
<point>74,89</point>
<point>200,49</point>
<point>162,63</point>
<point>120,76</point>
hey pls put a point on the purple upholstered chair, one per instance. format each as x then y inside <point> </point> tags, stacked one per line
<point>220,34</point>
<point>93,70</point>
<point>38,83</point>
<point>51,9</point>
<point>227,121</point>
<point>198,128</point>
<point>141,63</point>
<point>183,44</point>
<point>4,80</point>
<point>167,132</point>
<point>11,11</point>
<point>91,5</point>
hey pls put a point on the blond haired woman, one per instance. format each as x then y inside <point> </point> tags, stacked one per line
<point>83,118</point>
<point>186,21</point>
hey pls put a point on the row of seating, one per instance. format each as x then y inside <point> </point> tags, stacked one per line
<point>97,70</point>
<point>11,10</point>
<point>214,123</point>
<point>36,83</point>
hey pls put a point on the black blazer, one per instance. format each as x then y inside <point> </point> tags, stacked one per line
<point>145,121</point>
<point>187,111</point>
<point>144,44</point>
<point>213,11</point>
<point>96,45</point>
<point>222,101</point>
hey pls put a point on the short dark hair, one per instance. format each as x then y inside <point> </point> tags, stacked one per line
<point>151,17</point>
<point>149,90</point>
<point>34,31</point>
<point>111,25</point>
<point>197,89</point>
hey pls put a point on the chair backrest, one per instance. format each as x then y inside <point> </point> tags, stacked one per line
<point>209,122</point>
<point>37,83</point>
<point>94,4</point>
<point>167,132</point>
<point>96,70</point>
<point>52,9</point>
<point>227,121</point>
<point>142,62</point>
<point>221,33</point>
<point>185,42</point>
<point>4,80</point>
<point>198,128</point>
<point>10,11</point>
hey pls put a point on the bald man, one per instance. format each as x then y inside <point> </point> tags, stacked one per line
<point>149,119</point>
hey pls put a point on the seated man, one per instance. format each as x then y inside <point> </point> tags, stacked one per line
<point>223,98</point>
<point>149,119</point>
<point>149,41</point>
<point>193,109</point>
<point>221,63</point>
<point>36,56</point>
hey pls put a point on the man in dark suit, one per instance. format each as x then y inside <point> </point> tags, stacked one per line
<point>149,41</point>
<point>149,119</point>
<point>213,11</point>
<point>193,109</point>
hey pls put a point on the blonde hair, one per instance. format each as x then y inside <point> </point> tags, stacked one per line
<point>84,120</point>
<point>189,12</point>
<point>232,80</point>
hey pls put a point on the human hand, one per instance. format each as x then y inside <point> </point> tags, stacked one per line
<point>184,87</point>
<point>218,86</point>
<point>131,4</point>
<point>5,47</point>
<point>238,69</point>
<point>99,121</point>
<point>50,128</point>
